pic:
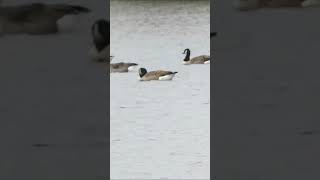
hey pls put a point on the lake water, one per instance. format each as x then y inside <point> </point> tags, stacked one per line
<point>160,129</point>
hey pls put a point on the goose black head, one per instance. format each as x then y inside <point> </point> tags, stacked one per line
<point>100,31</point>
<point>187,58</point>
<point>142,72</point>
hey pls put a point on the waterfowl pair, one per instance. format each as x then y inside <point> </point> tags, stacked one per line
<point>156,75</point>
<point>37,18</point>
<point>203,59</point>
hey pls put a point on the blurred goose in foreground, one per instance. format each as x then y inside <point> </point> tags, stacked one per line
<point>203,59</point>
<point>245,5</point>
<point>100,32</point>
<point>156,75</point>
<point>37,18</point>
<point>122,67</point>
<point>310,3</point>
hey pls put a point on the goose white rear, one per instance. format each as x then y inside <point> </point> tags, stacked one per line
<point>166,77</point>
<point>132,68</point>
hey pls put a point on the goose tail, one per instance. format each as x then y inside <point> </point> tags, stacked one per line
<point>133,64</point>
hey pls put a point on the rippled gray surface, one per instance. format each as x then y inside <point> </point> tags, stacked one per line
<point>160,129</point>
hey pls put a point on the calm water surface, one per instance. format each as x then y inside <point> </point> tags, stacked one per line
<point>160,129</point>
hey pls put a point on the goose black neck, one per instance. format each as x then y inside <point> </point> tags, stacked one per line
<point>102,39</point>
<point>187,58</point>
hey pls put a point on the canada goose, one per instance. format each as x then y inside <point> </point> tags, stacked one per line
<point>100,32</point>
<point>122,67</point>
<point>36,18</point>
<point>203,59</point>
<point>245,5</point>
<point>155,75</point>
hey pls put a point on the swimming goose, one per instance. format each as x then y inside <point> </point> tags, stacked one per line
<point>122,67</point>
<point>155,75</point>
<point>36,18</point>
<point>203,59</point>
<point>245,5</point>
<point>100,32</point>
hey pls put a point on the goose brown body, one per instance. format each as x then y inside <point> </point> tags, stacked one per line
<point>155,75</point>
<point>203,59</point>
<point>199,60</point>
<point>121,67</point>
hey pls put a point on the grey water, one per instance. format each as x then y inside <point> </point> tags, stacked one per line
<point>160,129</point>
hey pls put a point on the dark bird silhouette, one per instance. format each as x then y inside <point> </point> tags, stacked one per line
<point>36,18</point>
